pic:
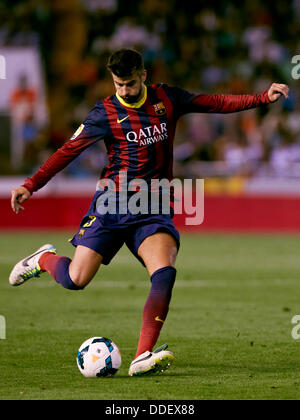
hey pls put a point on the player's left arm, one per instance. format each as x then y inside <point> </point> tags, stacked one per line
<point>276,90</point>
<point>234,103</point>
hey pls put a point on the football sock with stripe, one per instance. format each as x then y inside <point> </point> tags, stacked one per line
<point>58,268</point>
<point>156,308</point>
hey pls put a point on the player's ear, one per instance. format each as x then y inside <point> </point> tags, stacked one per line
<point>144,75</point>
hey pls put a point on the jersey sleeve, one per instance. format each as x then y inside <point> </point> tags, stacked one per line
<point>225,104</point>
<point>186,102</point>
<point>92,130</point>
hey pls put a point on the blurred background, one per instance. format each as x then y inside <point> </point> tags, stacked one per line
<point>55,55</point>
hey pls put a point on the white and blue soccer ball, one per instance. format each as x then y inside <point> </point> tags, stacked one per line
<point>98,357</point>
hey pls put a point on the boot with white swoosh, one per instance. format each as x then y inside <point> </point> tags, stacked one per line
<point>150,363</point>
<point>29,268</point>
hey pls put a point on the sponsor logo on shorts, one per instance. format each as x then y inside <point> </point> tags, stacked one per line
<point>81,233</point>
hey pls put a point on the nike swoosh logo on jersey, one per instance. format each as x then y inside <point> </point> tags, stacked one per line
<point>119,121</point>
<point>25,262</point>
<point>158,319</point>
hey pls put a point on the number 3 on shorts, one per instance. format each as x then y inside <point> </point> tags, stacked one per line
<point>89,224</point>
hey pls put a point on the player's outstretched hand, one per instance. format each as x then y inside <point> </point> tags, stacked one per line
<point>276,90</point>
<point>18,197</point>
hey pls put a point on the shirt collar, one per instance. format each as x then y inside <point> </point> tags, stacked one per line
<point>136,104</point>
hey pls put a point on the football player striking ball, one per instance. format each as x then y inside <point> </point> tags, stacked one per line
<point>137,124</point>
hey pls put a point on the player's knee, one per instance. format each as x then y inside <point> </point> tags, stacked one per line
<point>80,275</point>
<point>80,281</point>
<point>173,255</point>
<point>162,261</point>
<point>84,266</point>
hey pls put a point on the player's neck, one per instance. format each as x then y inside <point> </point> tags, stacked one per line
<point>140,102</point>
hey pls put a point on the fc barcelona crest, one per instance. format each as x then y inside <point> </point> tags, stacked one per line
<point>159,108</point>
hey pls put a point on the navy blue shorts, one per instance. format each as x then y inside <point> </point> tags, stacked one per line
<point>106,234</point>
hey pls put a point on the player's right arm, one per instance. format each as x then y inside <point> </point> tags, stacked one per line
<point>18,197</point>
<point>88,133</point>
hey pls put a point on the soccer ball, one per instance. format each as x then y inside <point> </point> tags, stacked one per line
<point>98,357</point>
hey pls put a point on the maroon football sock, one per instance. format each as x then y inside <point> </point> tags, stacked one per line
<point>156,308</point>
<point>58,268</point>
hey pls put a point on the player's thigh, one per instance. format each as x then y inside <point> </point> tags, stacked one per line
<point>158,250</point>
<point>85,264</point>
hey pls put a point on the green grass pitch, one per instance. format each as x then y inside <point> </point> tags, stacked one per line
<point>229,324</point>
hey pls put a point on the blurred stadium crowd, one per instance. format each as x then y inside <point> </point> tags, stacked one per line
<point>214,46</point>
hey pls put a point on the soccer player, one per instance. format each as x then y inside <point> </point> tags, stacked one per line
<point>137,124</point>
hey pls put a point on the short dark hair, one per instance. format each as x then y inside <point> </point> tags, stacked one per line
<point>125,62</point>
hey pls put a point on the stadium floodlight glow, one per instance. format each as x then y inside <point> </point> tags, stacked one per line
<point>296,69</point>
<point>2,328</point>
<point>2,67</point>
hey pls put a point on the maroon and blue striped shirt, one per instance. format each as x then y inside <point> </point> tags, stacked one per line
<point>139,138</point>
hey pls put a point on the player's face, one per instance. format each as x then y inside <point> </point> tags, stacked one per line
<point>130,89</point>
